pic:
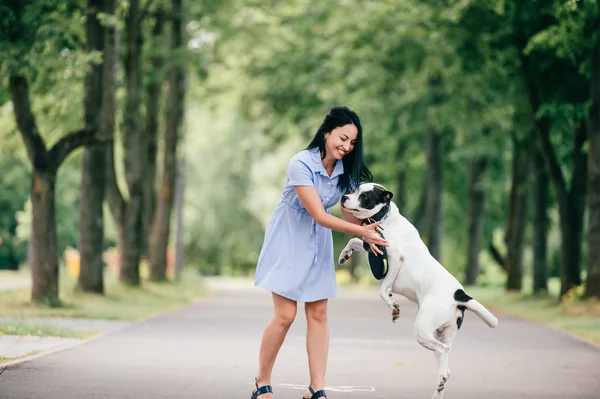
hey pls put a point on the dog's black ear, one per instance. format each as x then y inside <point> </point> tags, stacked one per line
<point>387,196</point>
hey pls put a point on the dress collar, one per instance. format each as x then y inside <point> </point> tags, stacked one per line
<point>316,157</point>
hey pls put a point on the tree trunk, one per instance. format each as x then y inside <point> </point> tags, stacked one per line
<point>91,220</point>
<point>540,226</point>
<point>476,204</point>
<point>91,215</point>
<point>112,193</point>
<point>592,286</point>
<point>515,229</point>
<point>43,251</point>
<point>571,203</point>
<point>159,239</point>
<point>153,97</point>
<point>402,147</point>
<point>571,257</point>
<point>179,201</point>
<point>135,167</point>
<point>434,218</point>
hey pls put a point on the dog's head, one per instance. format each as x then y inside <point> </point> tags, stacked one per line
<point>366,200</point>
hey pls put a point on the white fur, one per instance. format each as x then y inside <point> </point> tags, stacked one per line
<point>418,276</point>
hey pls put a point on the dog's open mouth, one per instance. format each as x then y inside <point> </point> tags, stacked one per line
<point>350,209</point>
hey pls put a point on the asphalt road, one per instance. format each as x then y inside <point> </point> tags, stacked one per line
<point>210,350</point>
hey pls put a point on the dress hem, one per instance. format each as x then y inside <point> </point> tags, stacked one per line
<point>264,286</point>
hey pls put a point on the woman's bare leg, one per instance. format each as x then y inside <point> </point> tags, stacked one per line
<point>317,342</point>
<point>273,337</point>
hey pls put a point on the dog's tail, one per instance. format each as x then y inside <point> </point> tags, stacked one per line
<point>474,306</point>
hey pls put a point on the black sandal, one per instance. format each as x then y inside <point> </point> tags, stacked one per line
<point>315,395</point>
<point>261,390</point>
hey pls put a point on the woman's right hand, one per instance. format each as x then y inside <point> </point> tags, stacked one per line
<point>371,237</point>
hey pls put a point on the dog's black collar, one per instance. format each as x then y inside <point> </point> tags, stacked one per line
<point>378,216</point>
<point>382,213</point>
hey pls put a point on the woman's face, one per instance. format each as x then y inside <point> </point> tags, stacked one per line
<point>340,141</point>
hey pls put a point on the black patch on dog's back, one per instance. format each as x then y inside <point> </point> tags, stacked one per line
<point>461,296</point>
<point>459,321</point>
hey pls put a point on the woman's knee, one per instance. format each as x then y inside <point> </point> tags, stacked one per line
<point>316,312</point>
<point>285,311</point>
<point>285,317</point>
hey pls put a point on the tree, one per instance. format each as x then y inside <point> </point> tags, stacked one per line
<point>516,222</point>
<point>161,226</point>
<point>22,41</point>
<point>91,219</point>
<point>543,60</point>
<point>592,287</point>
<point>45,162</point>
<point>154,88</point>
<point>540,225</point>
<point>128,212</point>
<point>476,199</point>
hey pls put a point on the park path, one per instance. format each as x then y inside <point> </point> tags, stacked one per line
<point>210,349</point>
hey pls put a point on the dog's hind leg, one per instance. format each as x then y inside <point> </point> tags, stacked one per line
<point>427,332</point>
<point>446,336</point>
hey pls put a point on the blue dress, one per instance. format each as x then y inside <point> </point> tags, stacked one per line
<point>296,259</point>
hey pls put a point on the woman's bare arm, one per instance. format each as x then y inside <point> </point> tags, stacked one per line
<point>349,217</point>
<point>312,202</point>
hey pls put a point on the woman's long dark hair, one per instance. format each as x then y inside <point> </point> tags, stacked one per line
<point>355,171</point>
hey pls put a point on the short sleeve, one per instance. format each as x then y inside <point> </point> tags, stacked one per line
<point>299,173</point>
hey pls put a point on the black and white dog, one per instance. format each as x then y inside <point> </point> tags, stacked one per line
<point>415,274</point>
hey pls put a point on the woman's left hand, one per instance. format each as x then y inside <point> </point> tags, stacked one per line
<point>371,237</point>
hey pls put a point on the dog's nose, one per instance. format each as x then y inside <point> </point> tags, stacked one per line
<point>344,199</point>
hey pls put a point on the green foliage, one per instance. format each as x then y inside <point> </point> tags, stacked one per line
<point>14,193</point>
<point>223,232</point>
<point>263,74</point>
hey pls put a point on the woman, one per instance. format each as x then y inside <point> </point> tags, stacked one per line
<point>296,261</point>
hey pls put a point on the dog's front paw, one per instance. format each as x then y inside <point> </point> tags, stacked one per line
<point>345,255</point>
<point>395,313</point>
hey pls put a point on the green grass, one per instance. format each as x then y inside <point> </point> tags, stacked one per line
<point>578,317</point>
<point>9,359</point>
<point>119,302</point>
<point>16,328</point>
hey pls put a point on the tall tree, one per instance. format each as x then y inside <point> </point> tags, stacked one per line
<point>540,224</point>
<point>476,202</point>
<point>21,42</point>
<point>515,229</point>
<point>153,102</point>
<point>108,121</point>
<point>179,219</point>
<point>592,287</point>
<point>43,250</point>
<point>161,227</point>
<point>433,207</point>
<point>541,64</point>
<point>91,215</point>
<point>128,213</point>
